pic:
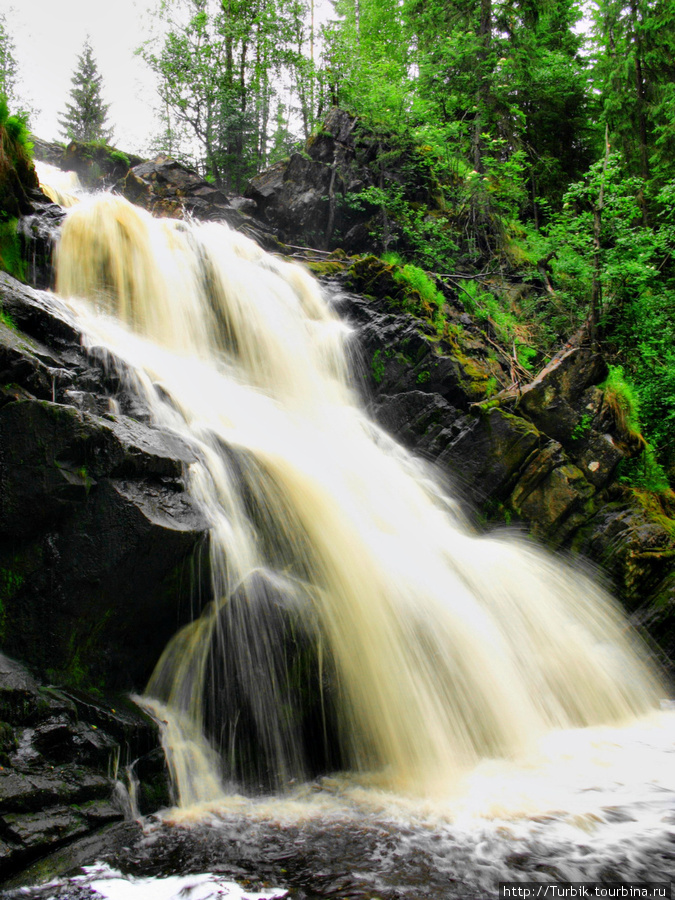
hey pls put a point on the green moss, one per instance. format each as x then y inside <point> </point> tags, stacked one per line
<point>326,267</point>
<point>622,396</point>
<point>406,287</point>
<point>11,250</point>
<point>582,427</point>
<point>17,145</point>
<point>659,506</point>
<point>81,652</point>
<point>421,297</point>
<point>120,157</point>
<point>423,376</point>
<point>377,366</point>
<point>8,322</point>
<point>491,386</point>
<point>496,511</point>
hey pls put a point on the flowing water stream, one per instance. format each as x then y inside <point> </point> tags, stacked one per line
<point>490,712</point>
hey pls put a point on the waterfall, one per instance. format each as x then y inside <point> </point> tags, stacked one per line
<point>61,187</point>
<point>353,620</point>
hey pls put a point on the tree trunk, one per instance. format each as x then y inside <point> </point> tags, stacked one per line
<point>482,94</point>
<point>596,290</point>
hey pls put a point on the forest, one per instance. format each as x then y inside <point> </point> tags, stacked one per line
<point>544,128</point>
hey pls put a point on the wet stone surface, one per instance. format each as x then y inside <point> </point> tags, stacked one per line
<point>371,858</point>
<point>60,756</point>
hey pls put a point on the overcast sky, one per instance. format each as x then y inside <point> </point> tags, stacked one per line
<point>49,35</point>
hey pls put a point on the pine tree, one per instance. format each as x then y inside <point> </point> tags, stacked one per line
<point>85,118</point>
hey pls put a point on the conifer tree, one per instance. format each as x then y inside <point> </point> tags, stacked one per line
<point>85,118</point>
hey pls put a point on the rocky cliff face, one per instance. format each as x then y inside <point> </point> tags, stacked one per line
<point>307,197</point>
<point>97,530</point>
<point>97,542</point>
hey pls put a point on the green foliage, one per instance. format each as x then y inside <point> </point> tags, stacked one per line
<point>634,76</point>
<point>624,398</point>
<point>635,266</point>
<point>7,320</point>
<point>643,471</point>
<point>17,178</point>
<point>18,143</point>
<point>420,295</point>
<point>582,427</point>
<point>9,71</point>
<point>426,235</point>
<point>222,70</point>
<point>493,309</point>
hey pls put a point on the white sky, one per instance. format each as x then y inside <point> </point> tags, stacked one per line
<point>49,35</point>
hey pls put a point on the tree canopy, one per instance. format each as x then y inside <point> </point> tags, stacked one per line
<point>547,127</point>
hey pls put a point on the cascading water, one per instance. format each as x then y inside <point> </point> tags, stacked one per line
<point>445,648</point>
<point>61,187</point>
<point>354,621</point>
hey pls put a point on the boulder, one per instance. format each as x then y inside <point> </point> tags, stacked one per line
<point>166,187</point>
<point>51,152</point>
<point>97,165</point>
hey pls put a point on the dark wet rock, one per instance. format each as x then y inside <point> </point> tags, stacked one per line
<point>97,528</point>
<point>566,404</point>
<point>19,185</point>
<point>400,352</point>
<point>38,232</point>
<point>304,196</point>
<point>243,204</point>
<point>490,453</point>
<point>51,152</point>
<point>57,774</point>
<point>551,400</point>
<point>272,707</point>
<point>637,550</point>
<point>293,197</point>
<point>168,188</point>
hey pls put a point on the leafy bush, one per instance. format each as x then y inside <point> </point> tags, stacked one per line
<point>16,129</point>
<point>643,471</point>
<point>426,235</point>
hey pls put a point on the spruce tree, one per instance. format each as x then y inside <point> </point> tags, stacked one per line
<point>85,118</point>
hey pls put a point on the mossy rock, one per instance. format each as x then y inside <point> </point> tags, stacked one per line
<point>370,275</point>
<point>97,163</point>
<point>325,268</point>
